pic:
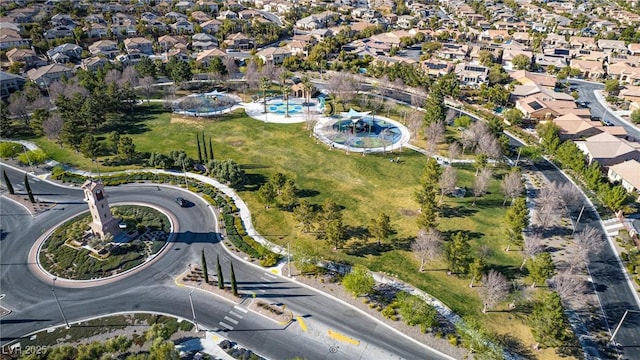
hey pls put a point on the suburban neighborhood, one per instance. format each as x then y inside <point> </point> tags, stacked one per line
<point>465,174</point>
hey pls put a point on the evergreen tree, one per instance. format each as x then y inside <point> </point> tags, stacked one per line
<point>205,271</point>
<point>540,268</point>
<point>219,273</point>
<point>548,322</point>
<point>234,285</point>
<point>28,188</point>
<point>199,149</point>
<point>8,182</point>
<point>517,218</point>
<point>458,253</point>
<point>426,195</point>
<point>205,155</point>
<point>210,150</point>
<point>380,228</point>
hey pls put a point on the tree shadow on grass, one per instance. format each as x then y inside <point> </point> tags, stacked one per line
<point>358,232</point>
<point>448,234</point>
<point>363,248</point>
<point>403,243</point>
<point>447,211</point>
<point>515,345</point>
<point>510,272</point>
<point>254,182</point>
<point>306,193</point>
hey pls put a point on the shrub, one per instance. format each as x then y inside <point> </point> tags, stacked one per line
<point>453,340</point>
<point>9,149</point>
<point>33,157</point>
<point>270,259</point>
<point>388,312</point>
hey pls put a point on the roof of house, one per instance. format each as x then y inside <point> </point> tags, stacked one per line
<point>527,77</point>
<point>629,90</point>
<point>629,171</point>
<point>575,127</point>
<point>607,146</point>
<point>34,74</point>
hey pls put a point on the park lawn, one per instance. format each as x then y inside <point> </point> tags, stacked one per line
<point>364,186</point>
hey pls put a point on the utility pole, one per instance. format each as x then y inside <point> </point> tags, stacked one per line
<point>53,291</point>
<point>289,257</point>
<point>577,221</point>
<point>185,174</point>
<point>615,332</point>
<point>193,310</point>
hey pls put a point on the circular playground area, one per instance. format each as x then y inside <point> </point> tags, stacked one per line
<point>206,104</point>
<point>361,132</point>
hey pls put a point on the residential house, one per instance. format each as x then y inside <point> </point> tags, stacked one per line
<point>238,41</point>
<point>522,38</point>
<point>175,16</point>
<point>166,42</point>
<point>612,46</point>
<point>211,26</point>
<point>634,48</point>
<point>184,5</point>
<point>105,48</point>
<point>61,19</point>
<point>591,70</point>
<point>274,55</point>
<point>631,93</point>
<point>27,57</point>
<point>471,74</point>
<point>202,41</point>
<point>582,42</point>
<point>534,109</point>
<point>144,46</point>
<point>96,30</point>
<point>123,24</point>
<point>199,16</point>
<point>182,27</point>
<point>297,48</point>
<point>509,54</point>
<point>453,51</point>
<point>315,21</point>
<point>573,127</point>
<point>495,36</point>
<point>65,53</point>
<point>181,54</point>
<point>10,83</point>
<point>608,150</point>
<point>527,77</point>
<point>613,58</point>
<point>46,75</point>
<point>624,73</point>
<point>626,173</point>
<point>93,63</point>
<point>436,67</point>
<point>205,57</point>
<point>227,15</point>
<point>212,6</point>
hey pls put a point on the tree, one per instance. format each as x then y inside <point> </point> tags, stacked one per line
<point>532,247</point>
<point>549,134</point>
<point>335,232</point>
<point>89,146</point>
<point>458,253</point>
<point>611,86</point>
<point>476,270</point>
<point>427,246</point>
<point>267,193</point>
<point>210,150</point>
<point>126,148</point>
<point>548,322</point>
<point>448,180</point>
<point>28,189</point>
<point>434,107</point>
<point>495,288</point>
<point>455,150</point>
<point>481,184</point>
<point>304,215</point>
<point>481,343</point>
<point>521,61</point>
<point>416,311</point>
<point>358,282</point>
<point>512,186</point>
<point>589,238</point>
<point>219,273</point>
<point>426,195</point>
<point>635,116</point>
<point>540,268</point>
<point>462,121</point>
<point>199,148</point>
<point>162,350</point>
<point>380,228</point>
<point>288,194</point>
<point>517,219</point>
<point>548,205</point>
<point>8,183</point>
<point>615,197</point>
<point>234,284</point>
<point>567,285</point>
<point>227,171</point>
<point>51,127</point>
<point>434,133</point>
<point>514,116</point>
<point>205,271</point>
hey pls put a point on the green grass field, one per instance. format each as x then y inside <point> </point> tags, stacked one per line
<point>363,186</point>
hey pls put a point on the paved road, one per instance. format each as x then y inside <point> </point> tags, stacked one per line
<point>154,290</point>
<point>607,275</point>
<point>586,90</point>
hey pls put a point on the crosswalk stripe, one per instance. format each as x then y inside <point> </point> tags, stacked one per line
<point>235,314</point>
<point>271,276</point>
<point>234,321</point>
<point>241,309</point>
<point>225,325</point>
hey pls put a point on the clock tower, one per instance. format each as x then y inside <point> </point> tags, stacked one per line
<point>102,220</point>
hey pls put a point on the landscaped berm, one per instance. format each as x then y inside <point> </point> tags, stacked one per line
<point>86,247</point>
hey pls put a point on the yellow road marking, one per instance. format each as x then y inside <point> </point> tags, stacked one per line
<point>177,283</point>
<point>275,271</point>
<point>301,322</point>
<point>340,337</point>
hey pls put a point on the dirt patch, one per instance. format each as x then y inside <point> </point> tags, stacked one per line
<point>187,120</point>
<point>236,143</point>
<point>408,212</point>
<point>33,208</point>
<point>276,312</point>
<point>193,277</point>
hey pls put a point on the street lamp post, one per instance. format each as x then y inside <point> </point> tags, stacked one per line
<point>615,332</point>
<point>53,291</point>
<point>193,310</point>
<point>289,258</point>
